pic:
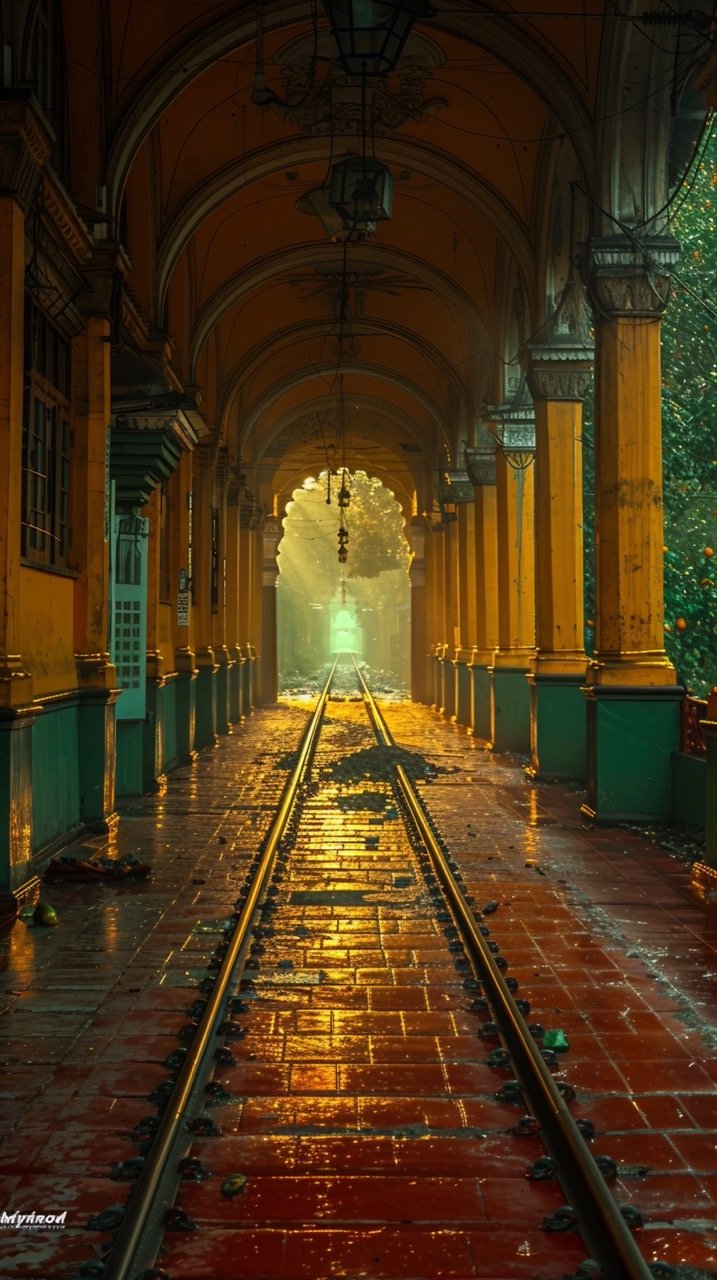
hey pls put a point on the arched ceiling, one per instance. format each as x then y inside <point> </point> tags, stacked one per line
<point>491,112</point>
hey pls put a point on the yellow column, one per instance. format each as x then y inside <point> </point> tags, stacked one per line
<point>465,614</point>
<point>482,468</point>
<point>270,538</point>
<point>25,146</point>
<point>181,571</point>
<point>219,608</point>
<point>559,372</point>
<point>510,705</point>
<point>206,718</point>
<point>417,572</point>
<point>233,633</point>
<point>90,506</point>
<point>633,699</point>
<point>244,603</point>
<point>256,591</point>
<point>15,681</point>
<point>451,592</point>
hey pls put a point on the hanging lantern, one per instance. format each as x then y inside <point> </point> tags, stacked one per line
<point>316,202</point>
<point>361,190</point>
<point>344,497</point>
<point>370,34</point>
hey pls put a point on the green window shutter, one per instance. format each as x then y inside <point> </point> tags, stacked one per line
<point>128,641</point>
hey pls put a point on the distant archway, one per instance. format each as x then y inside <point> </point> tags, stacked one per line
<point>358,606</point>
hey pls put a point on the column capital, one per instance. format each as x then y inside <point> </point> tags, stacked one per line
<point>513,425</point>
<point>480,462</point>
<point>25,145</point>
<point>559,369</point>
<point>629,276</point>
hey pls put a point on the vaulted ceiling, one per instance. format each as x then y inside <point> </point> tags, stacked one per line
<point>492,112</point>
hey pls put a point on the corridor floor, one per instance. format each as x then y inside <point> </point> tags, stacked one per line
<point>600,927</point>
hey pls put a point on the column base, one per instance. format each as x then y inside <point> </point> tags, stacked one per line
<point>462,695</point>
<point>205,734</point>
<point>246,705</point>
<point>434,681</point>
<point>16,825</point>
<point>480,700</point>
<point>186,703</point>
<point>97,748</point>
<point>510,709</point>
<point>234,686</point>
<point>448,687</point>
<point>222,690</point>
<point>631,735</point>
<point>709,728</point>
<point>558,751</point>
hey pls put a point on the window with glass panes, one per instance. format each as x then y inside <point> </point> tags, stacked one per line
<point>47,441</point>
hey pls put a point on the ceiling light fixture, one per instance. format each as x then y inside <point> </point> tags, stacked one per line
<point>371,34</point>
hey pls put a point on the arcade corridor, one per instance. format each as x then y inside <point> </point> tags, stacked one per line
<point>356,292</point>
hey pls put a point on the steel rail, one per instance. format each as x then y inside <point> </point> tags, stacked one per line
<point>129,1242</point>
<point>603,1229</point>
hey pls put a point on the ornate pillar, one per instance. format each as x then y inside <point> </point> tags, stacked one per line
<point>481,463</point>
<point>250,517</point>
<point>256,614</point>
<point>633,699</point>
<point>416,534</point>
<point>429,558</point>
<point>219,600</point>
<point>153,728</point>
<point>437,644</point>
<point>709,729</point>
<point>270,538</point>
<point>559,372</point>
<point>91,532</point>
<point>25,147</point>
<point>451,590</point>
<point>181,571</point>
<point>206,714</point>
<point>510,695</point>
<point>232,610</point>
<point>466,610</point>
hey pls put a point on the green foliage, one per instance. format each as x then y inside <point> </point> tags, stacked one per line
<point>689,409</point>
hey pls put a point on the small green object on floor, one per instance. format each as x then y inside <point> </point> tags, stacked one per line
<point>556,1040</point>
<point>45,914</point>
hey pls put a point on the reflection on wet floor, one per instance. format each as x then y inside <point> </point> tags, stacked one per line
<point>363,1111</point>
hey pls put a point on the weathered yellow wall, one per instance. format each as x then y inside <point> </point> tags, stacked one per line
<point>46,630</point>
<point>166,636</point>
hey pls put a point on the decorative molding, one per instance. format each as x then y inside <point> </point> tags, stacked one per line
<point>455,486</point>
<point>334,107</point>
<point>61,212</point>
<point>25,145</point>
<point>629,277</point>
<point>480,464</point>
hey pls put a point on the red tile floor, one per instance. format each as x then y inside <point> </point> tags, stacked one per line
<point>364,1114</point>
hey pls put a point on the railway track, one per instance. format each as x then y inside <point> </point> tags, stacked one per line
<point>352,880</point>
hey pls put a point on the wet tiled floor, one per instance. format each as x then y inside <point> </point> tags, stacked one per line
<point>364,1116</point>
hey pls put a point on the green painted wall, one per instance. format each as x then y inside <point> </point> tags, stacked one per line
<point>168,711</point>
<point>689,790</point>
<point>55,772</point>
<point>130,781</point>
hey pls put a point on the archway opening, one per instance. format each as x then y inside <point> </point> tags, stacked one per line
<point>343,583</point>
